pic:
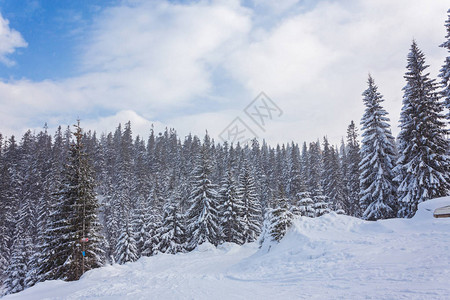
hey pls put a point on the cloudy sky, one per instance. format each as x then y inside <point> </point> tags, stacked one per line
<point>197,65</point>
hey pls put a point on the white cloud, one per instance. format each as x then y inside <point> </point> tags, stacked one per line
<point>139,125</point>
<point>10,39</point>
<point>315,63</point>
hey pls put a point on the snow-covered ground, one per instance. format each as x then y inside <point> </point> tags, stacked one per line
<point>331,257</point>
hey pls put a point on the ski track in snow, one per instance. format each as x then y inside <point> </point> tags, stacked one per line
<point>331,257</point>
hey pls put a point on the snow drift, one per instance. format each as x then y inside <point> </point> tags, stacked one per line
<point>333,256</point>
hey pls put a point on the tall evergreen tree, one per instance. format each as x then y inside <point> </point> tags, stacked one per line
<point>353,159</point>
<point>171,234</point>
<point>377,159</point>
<point>296,182</point>
<point>73,241</point>
<point>202,215</point>
<point>230,209</point>
<point>423,166</point>
<point>280,217</point>
<point>18,265</point>
<point>315,168</point>
<point>126,250</point>
<point>445,70</point>
<point>336,183</point>
<point>251,218</point>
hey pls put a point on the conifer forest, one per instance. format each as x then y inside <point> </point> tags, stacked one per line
<point>75,200</point>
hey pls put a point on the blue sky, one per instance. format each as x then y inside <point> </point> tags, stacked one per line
<point>53,31</point>
<point>195,65</point>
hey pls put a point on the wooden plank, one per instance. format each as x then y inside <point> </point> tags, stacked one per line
<point>442,212</point>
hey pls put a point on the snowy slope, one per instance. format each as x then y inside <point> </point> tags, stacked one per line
<point>330,257</point>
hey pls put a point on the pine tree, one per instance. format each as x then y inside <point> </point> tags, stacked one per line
<point>305,205</point>
<point>280,217</point>
<point>126,250</point>
<point>423,167</point>
<point>73,241</point>
<point>296,180</point>
<point>445,70</point>
<point>230,210</point>
<point>17,269</point>
<point>336,183</point>
<point>314,167</point>
<point>377,159</point>
<point>251,218</point>
<point>172,233</point>
<point>6,206</point>
<point>353,159</point>
<point>332,180</point>
<point>152,224</point>
<point>202,215</point>
<point>321,203</point>
<point>140,221</point>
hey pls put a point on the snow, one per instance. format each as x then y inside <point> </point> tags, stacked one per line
<point>330,257</point>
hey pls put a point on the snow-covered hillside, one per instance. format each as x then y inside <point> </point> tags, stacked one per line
<point>329,257</point>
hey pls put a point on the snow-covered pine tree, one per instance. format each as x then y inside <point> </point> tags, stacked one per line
<point>43,157</point>
<point>314,167</point>
<point>140,219</point>
<point>230,210</point>
<point>326,170</point>
<point>17,268</point>
<point>353,159</point>
<point>377,159</point>
<point>305,205</point>
<point>251,218</point>
<point>126,250</point>
<point>280,217</point>
<point>332,176</point>
<point>296,182</point>
<point>321,203</point>
<point>6,208</point>
<point>202,216</point>
<point>445,70</point>
<point>153,223</point>
<point>171,234</point>
<point>336,184</point>
<point>73,219</point>
<point>423,168</point>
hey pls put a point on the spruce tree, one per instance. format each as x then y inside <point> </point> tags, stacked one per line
<point>423,168</point>
<point>332,180</point>
<point>353,159</point>
<point>251,218</point>
<point>202,215</point>
<point>280,217</point>
<point>445,70</point>
<point>126,250</point>
<point>171,234</point>
<point>17,268</point>
<point>73,240</point>
<point>377,159</point>
<point>296,180</point>
<point>230,209</point>
<point>305,205</point>
<point>321,203</point>
<point>315,168</point>
<point>152,223</point>
<point>336,183</point>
